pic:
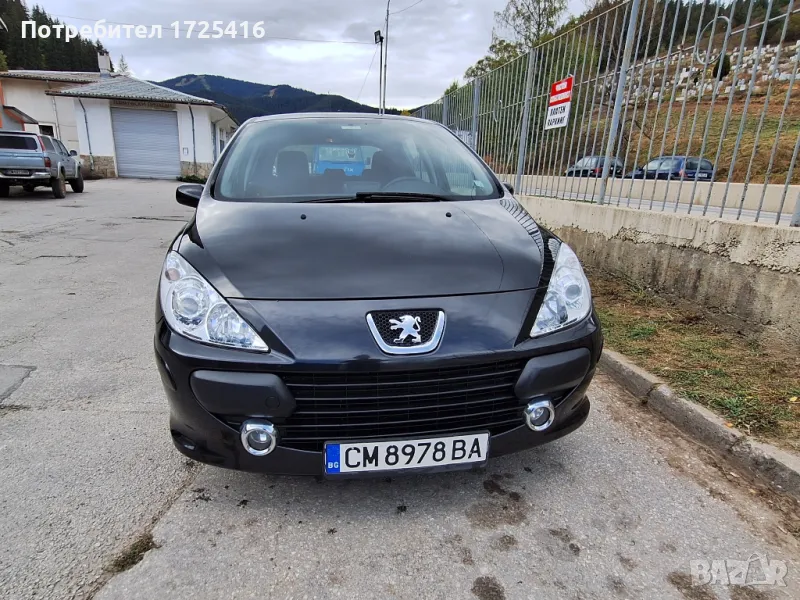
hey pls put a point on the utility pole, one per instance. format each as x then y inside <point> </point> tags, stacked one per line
<point>386,56</point>
<point>379,40</point>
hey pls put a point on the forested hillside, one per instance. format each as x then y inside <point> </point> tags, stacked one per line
<point>36,53</point>
<point>246,99</point>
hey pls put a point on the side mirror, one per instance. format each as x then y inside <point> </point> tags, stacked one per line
<point>73,153</point>
<point>189,194</point>
<point>509,187</point>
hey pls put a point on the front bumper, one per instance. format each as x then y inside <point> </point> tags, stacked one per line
<point>211,390</point>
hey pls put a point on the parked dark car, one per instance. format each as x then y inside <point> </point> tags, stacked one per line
<point>408,318</point>
<point>675,167</point>
<point>592,166</point>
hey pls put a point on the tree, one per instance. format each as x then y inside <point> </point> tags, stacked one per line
<point>123,68</point>
<point>500,52</point>
<point>722,66</point>
<point>52,53</point>
<point>452,88</point>
<point>3,61</point>
<point>527,21</point>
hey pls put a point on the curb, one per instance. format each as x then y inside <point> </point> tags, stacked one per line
<point>774,466</point>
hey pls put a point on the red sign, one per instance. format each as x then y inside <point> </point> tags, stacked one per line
<point>561,91</point>
<point>559,105</point>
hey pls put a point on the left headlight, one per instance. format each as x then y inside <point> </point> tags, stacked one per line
<point>194,309</point>
<point>568,299</point>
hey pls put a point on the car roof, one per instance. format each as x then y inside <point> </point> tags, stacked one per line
<point>19,133</point>
<point>335,115</point>
<point>679,156</point>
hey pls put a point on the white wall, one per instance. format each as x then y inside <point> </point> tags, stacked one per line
<point>224,133</point>
<point>98,114</point>
<point>202,131</point>
<point>29,97</point>
<point>67,128</point>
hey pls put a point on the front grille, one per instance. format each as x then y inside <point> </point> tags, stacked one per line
<point>399,328</point>
<point>346,406</point>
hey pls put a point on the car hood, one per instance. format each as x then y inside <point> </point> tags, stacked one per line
<point>291,251</point>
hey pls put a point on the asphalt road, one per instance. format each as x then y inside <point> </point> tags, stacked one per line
<point>729,213</point>
<point>616,510</point>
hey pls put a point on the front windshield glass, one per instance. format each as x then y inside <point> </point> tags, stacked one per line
<point>318,157</point>
<point>588,162</point>
<point>654,165</point>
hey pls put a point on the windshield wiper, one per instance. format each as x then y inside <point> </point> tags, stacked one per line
<point>383,197</point>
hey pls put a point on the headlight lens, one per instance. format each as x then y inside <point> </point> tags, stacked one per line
<point>568,299</point>
<point>193,308</point>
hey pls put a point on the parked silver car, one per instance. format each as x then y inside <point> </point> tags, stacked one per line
<point>33,160</point>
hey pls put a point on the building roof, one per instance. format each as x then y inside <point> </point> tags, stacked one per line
<point>129,88</point>
<point>66,76</point>
<point>19,116</point>
<point>123,87</point>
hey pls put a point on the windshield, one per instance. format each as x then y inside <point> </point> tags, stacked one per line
<point>317,157</point>
<point>588,162</point>
<point>657,164</point>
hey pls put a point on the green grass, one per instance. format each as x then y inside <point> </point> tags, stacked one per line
<point>643,331</point>
<point>748,383</point>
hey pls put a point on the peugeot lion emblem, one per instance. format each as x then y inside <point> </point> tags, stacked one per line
<point>398,332</point>
<point>408,326</point>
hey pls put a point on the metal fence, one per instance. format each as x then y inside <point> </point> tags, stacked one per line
<point>675,106</point>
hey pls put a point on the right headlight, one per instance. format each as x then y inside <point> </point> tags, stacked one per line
<point>568,299</point>
<point>196,310</point>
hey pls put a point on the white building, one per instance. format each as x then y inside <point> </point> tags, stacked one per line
<point>121,126</point>
<point>25,92</point>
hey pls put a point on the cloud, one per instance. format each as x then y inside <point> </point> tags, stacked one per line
<point>429,44</point>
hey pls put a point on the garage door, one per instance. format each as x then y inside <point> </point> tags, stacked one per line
<point>146,142</point>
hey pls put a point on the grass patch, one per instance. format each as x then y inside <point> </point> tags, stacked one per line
<point>133,554</point>
<point>751,385</point>
<point>192,179</point>
<point>642,332</point>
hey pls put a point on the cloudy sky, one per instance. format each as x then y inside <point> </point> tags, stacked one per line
<point>430,44</point>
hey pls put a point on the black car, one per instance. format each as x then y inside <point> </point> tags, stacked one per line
<point>412,317</point>
<point>675,167</point>
<point>592,166</point>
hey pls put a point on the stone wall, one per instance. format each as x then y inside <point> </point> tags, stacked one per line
<point>748,272</point>
<point>202,170</point>
<point>98,167</point>
<point>694,80</point>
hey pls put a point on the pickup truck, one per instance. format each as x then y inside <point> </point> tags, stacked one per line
<point>33,160</point>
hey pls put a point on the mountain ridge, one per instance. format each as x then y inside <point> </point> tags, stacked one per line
<point>246,99</point>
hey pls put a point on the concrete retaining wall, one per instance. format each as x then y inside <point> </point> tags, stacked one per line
<point>748,271</point>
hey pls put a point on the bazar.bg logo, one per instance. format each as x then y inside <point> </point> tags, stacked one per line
<point>757,570</point>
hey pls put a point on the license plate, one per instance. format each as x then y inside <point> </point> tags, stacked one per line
<point>16,172</point>
<point>362,457</point>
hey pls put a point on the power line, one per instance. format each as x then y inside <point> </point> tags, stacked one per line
<point>372,62</point>
<point>266,37</point>
<point>397,12</point>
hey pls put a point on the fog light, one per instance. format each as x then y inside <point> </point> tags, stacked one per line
<point>259,438</point>
<point>540,415</point>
